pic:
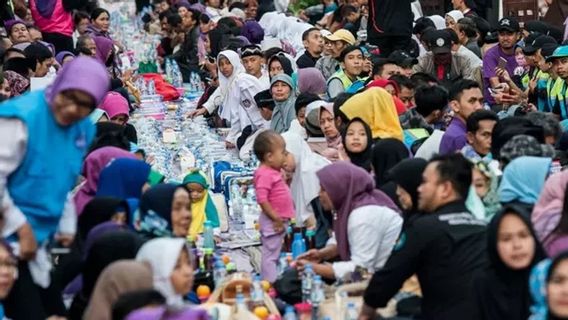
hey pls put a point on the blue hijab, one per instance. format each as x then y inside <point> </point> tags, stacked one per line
<point>523,179</point>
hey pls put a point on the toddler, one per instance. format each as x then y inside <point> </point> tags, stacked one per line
<point>274,198</point>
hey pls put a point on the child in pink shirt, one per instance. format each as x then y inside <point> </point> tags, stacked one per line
<point>274,197</point>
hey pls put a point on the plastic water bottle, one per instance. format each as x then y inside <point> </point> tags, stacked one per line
<point>168,70</point>
<point>151,88</point>
<point>282,263</point>
<point>298,245</point>
<point>208,241</point>
<point>317,295</point>
<point>219,273</point>
<point>351,312</point>
<point>257,292</point>
<point>307,282</point>
<point>289,314</point>
<point>240,302</point>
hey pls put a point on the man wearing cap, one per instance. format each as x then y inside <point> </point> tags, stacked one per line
<point>443,64</point>
<point>509,34</point>
<point>543,98</point>
<point>313,43</point>
<point>335,42</point>
<point>253,59</point>
<point>558,93</point>
<point>404,61</point>
<point>389,25</point>
<point>533,44</point>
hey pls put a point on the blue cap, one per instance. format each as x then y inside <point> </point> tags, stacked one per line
<point>560,52</point>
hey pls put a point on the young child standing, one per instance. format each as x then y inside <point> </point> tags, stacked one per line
<point>274,198</point>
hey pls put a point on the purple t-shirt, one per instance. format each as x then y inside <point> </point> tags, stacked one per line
<point>454,139</point>
<point>490,62</point>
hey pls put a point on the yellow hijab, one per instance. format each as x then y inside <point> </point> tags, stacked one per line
<point>203,209</point>
<point>376,107</point>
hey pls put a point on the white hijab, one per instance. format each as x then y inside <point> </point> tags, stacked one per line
<point>162,255</point>
<point>305,185</point>
<point>456,15</point>
<point>439,21</point>
<point>226,83</point>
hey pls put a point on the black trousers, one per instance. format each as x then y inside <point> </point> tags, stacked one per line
<point>29,301</point>
<point>59,41</point>
<point>388,44</point>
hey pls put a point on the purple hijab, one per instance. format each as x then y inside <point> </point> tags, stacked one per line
<point>349,187</point>
<point>61,56</point>
<point>94,164</point>
<point>253,32</point>
<point>311,80</point>
<point>104,48</point>
<point>83,73</point>
<point>161,313</point>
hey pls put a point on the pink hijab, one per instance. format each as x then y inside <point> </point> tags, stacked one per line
<point>95,162</point>
<point>548,208</point>
<point>114,104</point>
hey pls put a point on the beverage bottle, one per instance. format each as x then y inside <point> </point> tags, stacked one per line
<point>290,314</point>
<point>193,249</point>
<point>311,235</point>
<point>240,302</point>
<point>220,273</point>
<point>317,296</point>
<point>282,263</point>
<point>208,241</point>
<point>351,312</point>
<point>307,281</point>
<point>298,245</point>
<point>257,292</point>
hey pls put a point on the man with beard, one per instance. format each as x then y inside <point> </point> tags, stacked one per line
<point>501,55</point>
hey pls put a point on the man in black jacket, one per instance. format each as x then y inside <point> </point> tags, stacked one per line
<point>444,247</point>
<point>390,25</point>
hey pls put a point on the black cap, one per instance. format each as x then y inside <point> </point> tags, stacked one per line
<point>402,59</point>
<point>264,99</point>
<point>532,47</point>
<point>548,49</point>
<point>536,26</point>
<point>439,41</point>
<point>508,24</point>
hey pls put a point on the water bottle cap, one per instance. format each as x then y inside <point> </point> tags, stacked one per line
<point>317,277</point>
<point>290,309</point>
<point>308,266</point>
<point>257,277</point>
<point>350,305</point>
<point>297,236</point>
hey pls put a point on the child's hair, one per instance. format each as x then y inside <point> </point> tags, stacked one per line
<point>263,143</point>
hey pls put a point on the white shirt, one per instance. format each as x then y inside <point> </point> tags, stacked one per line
<point>372,232</point>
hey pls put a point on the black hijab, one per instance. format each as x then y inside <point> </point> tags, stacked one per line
<point>284,62</point>
<point>110,135</point>
<point>503,293</point>
<point>408,175</point>
<point>99,210</point>
<point>363,158</point>
<point>386,154</point>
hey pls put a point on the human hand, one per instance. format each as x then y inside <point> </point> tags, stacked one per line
<point>502,73</point>
<point>313,255</point>
<point>65,239</point>
<point>513,97</point>
<point>278,225</point>
<point>197,113</point>
<point>28,243</point>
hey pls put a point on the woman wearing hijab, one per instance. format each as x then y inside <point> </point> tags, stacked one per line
<point>125,179</point>
<point>100,210</point>
<point>320,122</point>
<point>238,105</point>
<point>171,263</point>
<point>116,107</point>
<point>391,87</point>
<point>165,211</point>
<point>310,80</point>
<point>109,246</point>
<point>380,113</point>
<point>523,180</point>
<point>303,164</point>
<point>279,64</point>
<point>94,164</point>
<point>64,57</point>
<point>110,135</point>
<point>407,175</point>
<point>282,89</point>
<point>548,287</point>
<point>357,143</point>
<point>502,289</point>
<point>53,124</point>
<point>386,154</point>
<point>118,278</point>
<point>99,26</point>
<point>366,222</point>
<point>548,210</point>
<point>18,83</point>
<point>202,206</point>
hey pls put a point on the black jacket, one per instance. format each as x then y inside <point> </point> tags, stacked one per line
<point>444,249</point>
<point>389,18</point>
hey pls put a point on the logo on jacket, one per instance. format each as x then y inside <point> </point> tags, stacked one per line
<point>247,103</point>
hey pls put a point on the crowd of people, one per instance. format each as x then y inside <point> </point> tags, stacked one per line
<point>424,153</point>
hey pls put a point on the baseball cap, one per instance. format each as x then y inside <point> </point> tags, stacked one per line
<point>439,41</point>
<point>535,42</point>
<point>536,26</point>
<point>508,24</point>
<point>560,52</point>
<point>548,49</point>
<point>342,35</point>
<point>402,59</point>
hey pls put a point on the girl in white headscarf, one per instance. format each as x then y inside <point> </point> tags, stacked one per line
<point>172,269</point>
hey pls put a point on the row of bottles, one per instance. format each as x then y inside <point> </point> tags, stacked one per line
<point>299,243</point>
<point>173,73</point>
